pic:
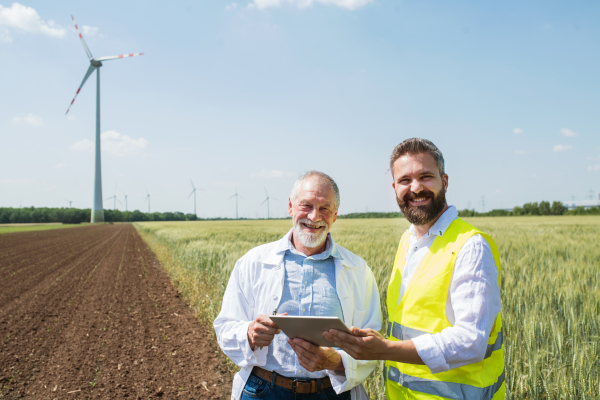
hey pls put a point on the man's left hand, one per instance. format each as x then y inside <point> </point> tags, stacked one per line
<point>314,358</point>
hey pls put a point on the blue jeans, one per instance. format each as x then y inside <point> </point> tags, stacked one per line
<point>258,388</point>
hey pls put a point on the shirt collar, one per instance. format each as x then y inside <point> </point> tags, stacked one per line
<point>440,225</point>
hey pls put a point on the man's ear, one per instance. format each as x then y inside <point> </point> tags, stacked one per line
<point>290,206</point>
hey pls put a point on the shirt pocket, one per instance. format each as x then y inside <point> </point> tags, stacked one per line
<point>329,292</point>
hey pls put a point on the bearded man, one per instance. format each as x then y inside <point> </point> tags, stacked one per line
<point>443,300</point>
<point>304,273</point>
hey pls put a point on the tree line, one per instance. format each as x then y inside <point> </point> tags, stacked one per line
<point>77,215</point>
<point>9,215</point>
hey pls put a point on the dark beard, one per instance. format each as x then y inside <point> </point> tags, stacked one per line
<point>420,215</point>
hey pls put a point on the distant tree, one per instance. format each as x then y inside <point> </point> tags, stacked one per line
<point>544,208</point>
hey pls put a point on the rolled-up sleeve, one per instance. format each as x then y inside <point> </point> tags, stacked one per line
<point>474,299</point>
<point>232,323</point>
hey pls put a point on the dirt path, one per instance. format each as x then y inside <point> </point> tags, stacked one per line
<point>89,313</point>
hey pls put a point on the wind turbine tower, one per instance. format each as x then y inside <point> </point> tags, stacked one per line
<point>148,199</point>
<point>194,193</point>
<point>268,204</point>
<point>95,64</point>
<point>236,195</point>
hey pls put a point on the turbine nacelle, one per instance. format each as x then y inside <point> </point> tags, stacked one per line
<point>95,63</point>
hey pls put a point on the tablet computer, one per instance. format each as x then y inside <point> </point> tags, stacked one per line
<point>309,328</point>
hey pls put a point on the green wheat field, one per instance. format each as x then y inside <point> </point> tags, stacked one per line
<point>550,286</point>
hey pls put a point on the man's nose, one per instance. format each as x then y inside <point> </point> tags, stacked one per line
<point>314,214</point>
<point>416,186</point>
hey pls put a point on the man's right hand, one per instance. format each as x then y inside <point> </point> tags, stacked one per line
<point>261,331</point>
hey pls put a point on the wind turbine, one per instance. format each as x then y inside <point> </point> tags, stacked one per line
<point>114,197</point>
<point>70,201</point>
<point>194,193</point>
<point>125,201</point>
<point>236,195</point>
<point>148,199</point>
<point>268,204</point>
<point>95,64</point>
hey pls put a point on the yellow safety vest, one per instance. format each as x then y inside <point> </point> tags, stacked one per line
<point>423,310</point>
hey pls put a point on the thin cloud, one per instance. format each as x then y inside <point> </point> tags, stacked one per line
<point>594,167</point>
<point>114,144</point>
<point>517,131</point>
<point>568,132</point>
<point>89,30</point>
<point>560,147</point>
<point>521,152</point>
<point>231,7</point>
<point>20,18</point>
<point>272,174</point>
<point>347,4</point>
<point>60,165</point>
<point>28,119</point>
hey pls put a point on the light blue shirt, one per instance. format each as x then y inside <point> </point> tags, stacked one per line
<point>309,289</point>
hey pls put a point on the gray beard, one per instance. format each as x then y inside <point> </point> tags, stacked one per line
<point>310,240</point>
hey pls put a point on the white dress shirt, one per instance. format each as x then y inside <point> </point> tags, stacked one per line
<point>473,299</point>
<point>256,286</point>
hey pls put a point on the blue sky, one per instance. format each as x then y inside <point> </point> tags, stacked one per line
<point>253,93</point>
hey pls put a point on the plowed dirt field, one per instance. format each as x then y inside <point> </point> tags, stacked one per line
<point>89,313</point>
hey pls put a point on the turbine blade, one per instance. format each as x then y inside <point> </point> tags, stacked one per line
<point>266,192</point>
<point>264,202</point>
<point>82,41</point>
<point>192,184</point>
<point>119,56</point>
<point>85,78</point>
<point>119,201</point>
<point>191,193</point>
<point>232,196</point>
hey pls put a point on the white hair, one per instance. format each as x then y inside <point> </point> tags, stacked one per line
<point>321,176</point>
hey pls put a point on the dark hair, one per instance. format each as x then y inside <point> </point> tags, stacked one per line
<point>414,146</point>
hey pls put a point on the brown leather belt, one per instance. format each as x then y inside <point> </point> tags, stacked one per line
<point>295,385</point>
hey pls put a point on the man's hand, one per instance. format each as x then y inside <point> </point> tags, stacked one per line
<point>366,344</point>
<point>314,358</point>
<point>261,331</point>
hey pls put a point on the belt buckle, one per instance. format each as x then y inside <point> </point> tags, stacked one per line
<point>295,381</point>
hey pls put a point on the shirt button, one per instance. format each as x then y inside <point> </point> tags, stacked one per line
<point>305,282</point>
<point>299,371</point>
<point>304,309</point>
<point>274,296</point>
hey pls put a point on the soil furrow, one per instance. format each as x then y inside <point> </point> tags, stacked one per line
<point>104,322</point>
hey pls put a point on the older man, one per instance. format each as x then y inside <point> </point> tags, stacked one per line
<point>304,273</point>
<point>443,299</point>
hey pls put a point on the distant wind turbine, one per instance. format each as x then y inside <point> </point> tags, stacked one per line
<point>268,205</point>
<point>236,195</point>
<point>69,201</point>
<point>194,193</point>
<point>125,200</point>
<point>147,199</point>
<point>114,197</point>
<point>95,64</point>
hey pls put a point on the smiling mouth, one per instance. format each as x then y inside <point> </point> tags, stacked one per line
<point>311,226</point>
<point>419,201</point>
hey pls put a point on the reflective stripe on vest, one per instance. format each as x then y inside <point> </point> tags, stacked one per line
<point>401,332</point>
<point>448,390</point>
